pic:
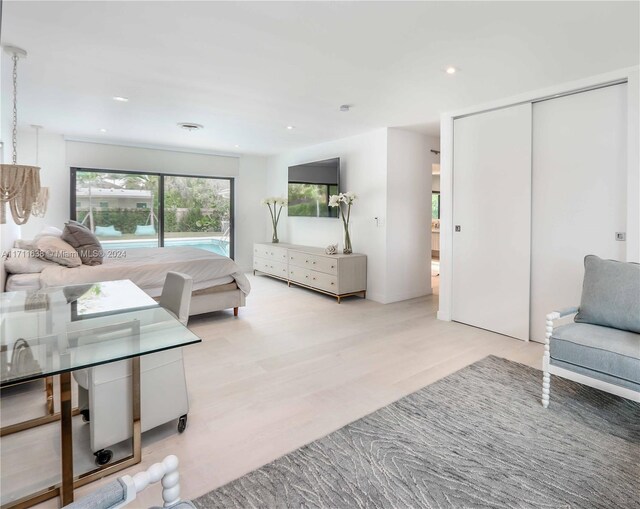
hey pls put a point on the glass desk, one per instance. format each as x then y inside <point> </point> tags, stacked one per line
<point>55,331</point>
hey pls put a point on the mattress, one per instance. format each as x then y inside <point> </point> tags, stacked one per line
<point>147,268</point>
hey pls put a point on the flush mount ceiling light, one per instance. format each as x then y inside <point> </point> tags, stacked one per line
<point>103,130</point>
<point>237,146</point>
<point>120,99</point>
<point>19,183</point>
<point>291,127</point>
<point>190,126</point>
<point>450,70</point>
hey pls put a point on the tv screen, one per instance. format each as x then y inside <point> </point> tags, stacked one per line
<point>310,186</point>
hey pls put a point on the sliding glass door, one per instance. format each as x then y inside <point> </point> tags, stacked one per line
<point>121,208</point>
<point>128,210</point>
<point>197,212</point>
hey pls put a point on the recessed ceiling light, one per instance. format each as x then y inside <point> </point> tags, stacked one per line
<point>237,146</point>
<point>450,70</point>
<point>121,99</point>
<point>103,130</point>
<point>190,126</point>
<point>290,127</point>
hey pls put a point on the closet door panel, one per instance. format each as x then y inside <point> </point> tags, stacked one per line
<point>579,193</point>
<point>492,206</point>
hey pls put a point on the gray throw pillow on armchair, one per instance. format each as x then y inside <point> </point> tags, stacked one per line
<point>610,294</point>
<point>84,242</point>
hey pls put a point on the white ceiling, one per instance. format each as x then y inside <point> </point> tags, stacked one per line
<point>247,70</point>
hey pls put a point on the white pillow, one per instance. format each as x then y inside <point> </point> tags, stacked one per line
<point>57,250</point>
<point>25,261</point>
<point>48,231</point>
<point>24,244</point>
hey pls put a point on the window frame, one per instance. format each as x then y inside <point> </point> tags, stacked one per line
<point>232,230</point>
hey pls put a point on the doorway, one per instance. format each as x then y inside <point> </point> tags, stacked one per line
<point>435,228</point>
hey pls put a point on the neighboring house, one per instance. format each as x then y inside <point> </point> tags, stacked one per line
<point>99,198</point>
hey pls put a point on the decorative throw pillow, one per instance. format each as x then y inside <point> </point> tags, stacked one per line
<point>57,250</point>
<point>24,244</point>
<point>610,294</point>
<point>25,261</point>
<point>84,242</point>
<point>48,231</point>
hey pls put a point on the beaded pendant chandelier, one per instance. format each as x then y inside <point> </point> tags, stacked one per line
<point>19,183</point>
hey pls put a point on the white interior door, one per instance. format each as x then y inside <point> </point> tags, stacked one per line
<point>492,207</point>
<point>579,193</point>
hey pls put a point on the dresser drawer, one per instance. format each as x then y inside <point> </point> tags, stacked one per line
<point>314,262</point>
<point>322,281</point>
<point>277,254</point>
<point>300,275</point>
<point>270,267</point>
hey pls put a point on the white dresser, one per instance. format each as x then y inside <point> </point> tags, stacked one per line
<point>337,275</point>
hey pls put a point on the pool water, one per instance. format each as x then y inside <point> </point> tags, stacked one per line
<point>218,246</point>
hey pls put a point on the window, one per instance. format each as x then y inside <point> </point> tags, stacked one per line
<point>435,205</point>
<point>150,210</point>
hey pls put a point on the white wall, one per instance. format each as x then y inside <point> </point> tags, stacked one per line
<point>390,171</point>
<point>54,174</point>
<point>363,162</point>
<point>435,183</point>
<point>56,156</point>
<point>250,217</point>
<point>409,162</point>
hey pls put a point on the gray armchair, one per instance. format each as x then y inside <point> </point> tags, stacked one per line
<point>601,348</point>
<point>124,490</point>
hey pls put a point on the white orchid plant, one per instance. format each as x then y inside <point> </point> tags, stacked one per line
<point>275,205</point>
<point>344,201</point>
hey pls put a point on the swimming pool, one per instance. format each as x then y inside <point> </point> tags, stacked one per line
<point>218,246</point>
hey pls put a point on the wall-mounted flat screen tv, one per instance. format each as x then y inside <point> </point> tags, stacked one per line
<point>310,186</point>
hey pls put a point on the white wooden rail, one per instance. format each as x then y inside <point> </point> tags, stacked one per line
<point>166,472</point>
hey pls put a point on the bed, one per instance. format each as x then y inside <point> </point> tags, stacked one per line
<point>218,282</point>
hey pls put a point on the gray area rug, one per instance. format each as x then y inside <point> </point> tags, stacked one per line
<point>477,438</point>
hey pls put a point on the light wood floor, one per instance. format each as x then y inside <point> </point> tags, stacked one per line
<point>295,366</point>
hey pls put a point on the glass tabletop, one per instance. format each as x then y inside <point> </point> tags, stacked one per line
<point>60,329</point>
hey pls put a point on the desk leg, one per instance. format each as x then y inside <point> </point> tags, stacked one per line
<point>137,425</point>
<point>66,438</point>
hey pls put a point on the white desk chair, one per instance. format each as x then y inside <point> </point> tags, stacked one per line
<point>104,392</point>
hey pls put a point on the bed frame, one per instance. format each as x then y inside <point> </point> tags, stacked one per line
<point>208,303</point>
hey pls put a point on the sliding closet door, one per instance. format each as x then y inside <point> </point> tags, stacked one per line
<point>579,193</point>
<point>492,211</point>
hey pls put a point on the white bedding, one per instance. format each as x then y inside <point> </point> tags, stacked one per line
<point>147,268</point>
<point>23,282</point>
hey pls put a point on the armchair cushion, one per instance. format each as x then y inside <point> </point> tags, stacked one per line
<point>600,349</point>
<point>610,294</point>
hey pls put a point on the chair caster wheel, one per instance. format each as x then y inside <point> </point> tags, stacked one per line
<point>182,423</point>
<point>86,417</point>
<point>103,456</point>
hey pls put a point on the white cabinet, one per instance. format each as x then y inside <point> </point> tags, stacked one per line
<point>338,275</point>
